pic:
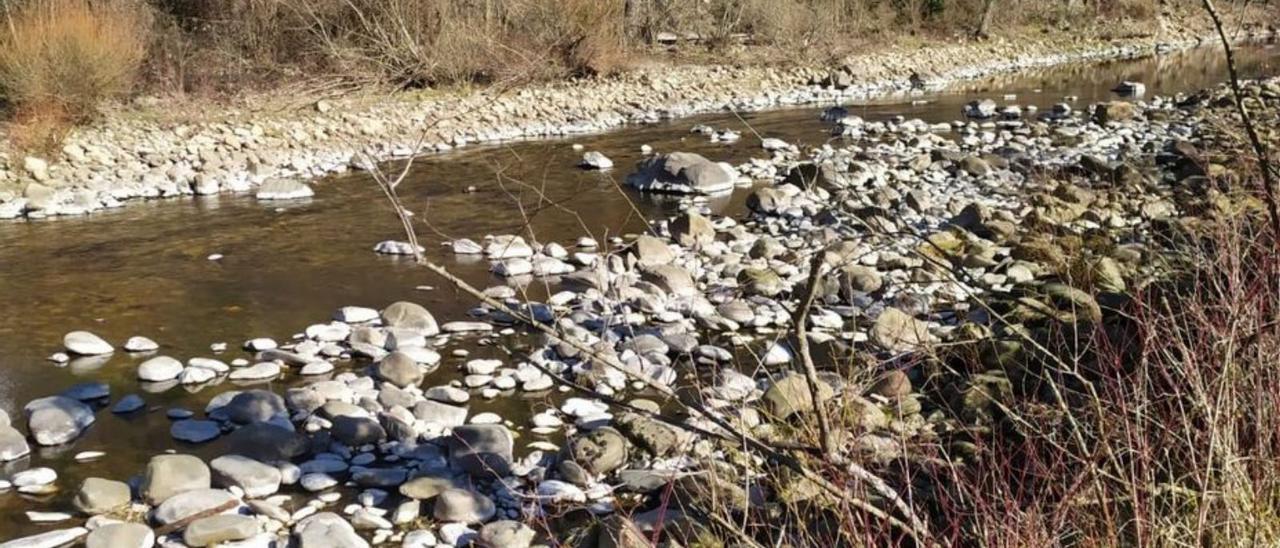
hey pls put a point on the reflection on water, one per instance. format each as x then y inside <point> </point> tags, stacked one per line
<point>143,270</point>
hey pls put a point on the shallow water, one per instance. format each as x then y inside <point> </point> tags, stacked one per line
<point>142,270</point>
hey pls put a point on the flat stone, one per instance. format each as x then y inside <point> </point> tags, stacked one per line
<point>85,343</point>
<point>219,529</point>
<point>195,431</point>
<point>463,506</point>
<point>121,535</point>
<point>51,539</point>
<point>140,344</point>
<point>255,478</point>
<point>189,503</point>
<point>326,530</point>
<point>13,445</point>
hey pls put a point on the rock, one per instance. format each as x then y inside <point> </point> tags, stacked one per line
<point>13,445</point>
<point>975,166</point>
<point>159,369</point>
<point>99,496</point>
<point>168,475</point>
<point>690,229</point>
<point>427,487</point>
<point>981,109</point>
<point>464,506</point>
<point>121,535</point>
<point>441,414</point>
<point>357,431</point>
<point>790,395</point>
<point>766,200</point>
<point>128,404</point>
<point>326,530</point>
<point>284,189</point>
<point>505,534</point>
<point>399,369</point>
<point>892,385</point>
<point>1114,111</point>
<point>253,406</point>
<point>189,503</point>
<point>254,478</point>
<point>140,344</point>
<point>37,168</point>
<point>266,442</point>
<point>600,451</point>
<point>408,315</point>
<point>256,372</point>
<point>355,314</point>
<point>673,279</point>
<point>51,539</point>
<point>656,437</point>
<point>683,173</point>
<point>760,281</point>
<point>896,331</point>
<point>482,449</point>
<point>596,160</point>
<point>650,251</point>
<point>56,420</point>
<point>618,531</point>
<point>194,431</point>
<point>215,530</point>
<point>85,343</point>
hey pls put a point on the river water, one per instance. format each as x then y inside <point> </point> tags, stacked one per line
<point>143,270</point>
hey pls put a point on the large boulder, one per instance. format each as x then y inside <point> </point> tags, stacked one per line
<point>682,173</point>
<point>600,451</point>
<point>169,475</point>
<point>462,505</point>
<point>482,449</point>
<point>254,406</point>
<point>56,420</point>
<point>399,369</point>
<point>266,442</point>
<point>99,496</point>
<point>410,316</point>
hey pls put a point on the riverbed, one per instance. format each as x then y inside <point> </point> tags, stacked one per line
<point>146,269</point>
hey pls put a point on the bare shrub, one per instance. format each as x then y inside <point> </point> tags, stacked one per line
<point>71,54</point>
<point>39,129</point>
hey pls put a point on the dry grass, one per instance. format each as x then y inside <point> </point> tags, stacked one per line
<point>70,55</point>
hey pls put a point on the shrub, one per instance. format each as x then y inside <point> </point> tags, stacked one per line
<point>71,54</point>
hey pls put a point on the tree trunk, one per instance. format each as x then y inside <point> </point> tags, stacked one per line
<point>985,20</point>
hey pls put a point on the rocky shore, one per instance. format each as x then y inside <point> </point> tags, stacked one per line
<point>131,156</point>
<point>924,234</point>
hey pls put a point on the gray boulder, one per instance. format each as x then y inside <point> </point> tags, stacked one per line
<point>256,479</point>
<point>56,420</point>
<point>121,535</point>
<point>682,173</point>
<point>168,475</point>
<point>99,496</point>
<point>482,449</point>
<point>410,316</point>
<point>326,530</point>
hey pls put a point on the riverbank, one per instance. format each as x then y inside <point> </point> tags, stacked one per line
<point>953,254</point>
<point>141,153</point>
